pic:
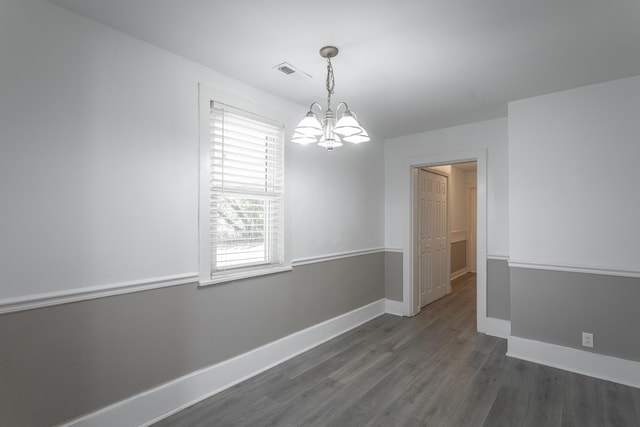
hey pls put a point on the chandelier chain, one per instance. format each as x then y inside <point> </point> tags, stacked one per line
<point>330,82</point>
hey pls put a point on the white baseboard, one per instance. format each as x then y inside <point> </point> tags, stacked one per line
<point>394,307</point>
<point>158,403</point>
<point>497,327</point>
<point>595,365</point>
<point>459,273</point>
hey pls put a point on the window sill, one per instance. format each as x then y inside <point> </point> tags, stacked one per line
<point>245,275</point>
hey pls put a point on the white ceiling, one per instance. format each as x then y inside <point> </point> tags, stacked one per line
<point>405,65</point>
<point>467,167</point>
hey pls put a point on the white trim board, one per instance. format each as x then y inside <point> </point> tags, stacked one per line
<point>331,257</point>
<point>595,365</point>
<point>153,405</point>
<point>394,307</point>
<point>246,274</point>
<point>498,257</point>
<point>394,250</point>
<point>11,305</point>
<point>459,273</point>
<point>609,271</point>
<point>30,302</point>
<point>498,327</point>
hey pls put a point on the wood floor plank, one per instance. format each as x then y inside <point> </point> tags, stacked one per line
<point>353,391</point>
<point>635,395</point>
<point>433,369</point>
<point>483,389</point>
<point>545,404</point>
<point>506,410</point>
<point>423,389</point>
<point>380,396</point>
<point>288,412</point>
<point>455,390</point>
<point>582,404</point>
<point>619,405</point>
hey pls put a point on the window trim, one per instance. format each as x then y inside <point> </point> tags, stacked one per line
<point>206,95</point>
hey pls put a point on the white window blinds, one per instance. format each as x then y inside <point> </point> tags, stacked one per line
<point>246,164</point>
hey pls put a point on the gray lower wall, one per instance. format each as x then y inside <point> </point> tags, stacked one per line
<point>458,256</point>
<point>498,293</point>
<point>393,276</point>
<point>498,289</point>
<point>556,307</point>
<point>60,362</point>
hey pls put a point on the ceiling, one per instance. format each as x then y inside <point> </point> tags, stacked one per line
<point>467,167</point>
<point>404,66</point>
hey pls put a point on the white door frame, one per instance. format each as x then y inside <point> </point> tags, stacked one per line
<point>471,225</point>
<point>408,290</point>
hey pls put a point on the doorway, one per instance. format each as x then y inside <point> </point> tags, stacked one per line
<point>411,295</point>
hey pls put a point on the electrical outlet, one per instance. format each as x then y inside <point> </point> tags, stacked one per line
<point>587,339</point>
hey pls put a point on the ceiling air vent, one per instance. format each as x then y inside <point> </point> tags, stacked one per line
<point>286,69</point>
<point>292,71</point>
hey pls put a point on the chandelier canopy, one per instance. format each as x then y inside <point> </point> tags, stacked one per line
<point>334,128</point>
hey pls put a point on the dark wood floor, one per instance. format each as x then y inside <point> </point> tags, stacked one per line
<point>429,370</point>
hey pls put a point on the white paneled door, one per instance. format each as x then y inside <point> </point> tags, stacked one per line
<point>432,236</point>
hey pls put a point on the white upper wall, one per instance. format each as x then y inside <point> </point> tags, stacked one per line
<point>490,135</point>
<point>573,177</point>
<point>99,160</point>
<point>337,198</point>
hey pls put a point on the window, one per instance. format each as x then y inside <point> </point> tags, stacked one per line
<point>244,222</point>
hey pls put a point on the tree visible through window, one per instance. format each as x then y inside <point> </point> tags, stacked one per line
<point>241,232</point>
<point>246,156</point>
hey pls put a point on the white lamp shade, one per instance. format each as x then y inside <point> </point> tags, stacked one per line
<point>301,139</point>
<point>347,125</point>
<point>309,125</point>
<point>358,138</point>
<point>330,144</point>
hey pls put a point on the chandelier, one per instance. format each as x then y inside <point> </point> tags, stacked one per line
<point>334,128</point>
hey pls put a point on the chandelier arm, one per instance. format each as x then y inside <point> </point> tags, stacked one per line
<point>317,105</point>
<point>342,104</point>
